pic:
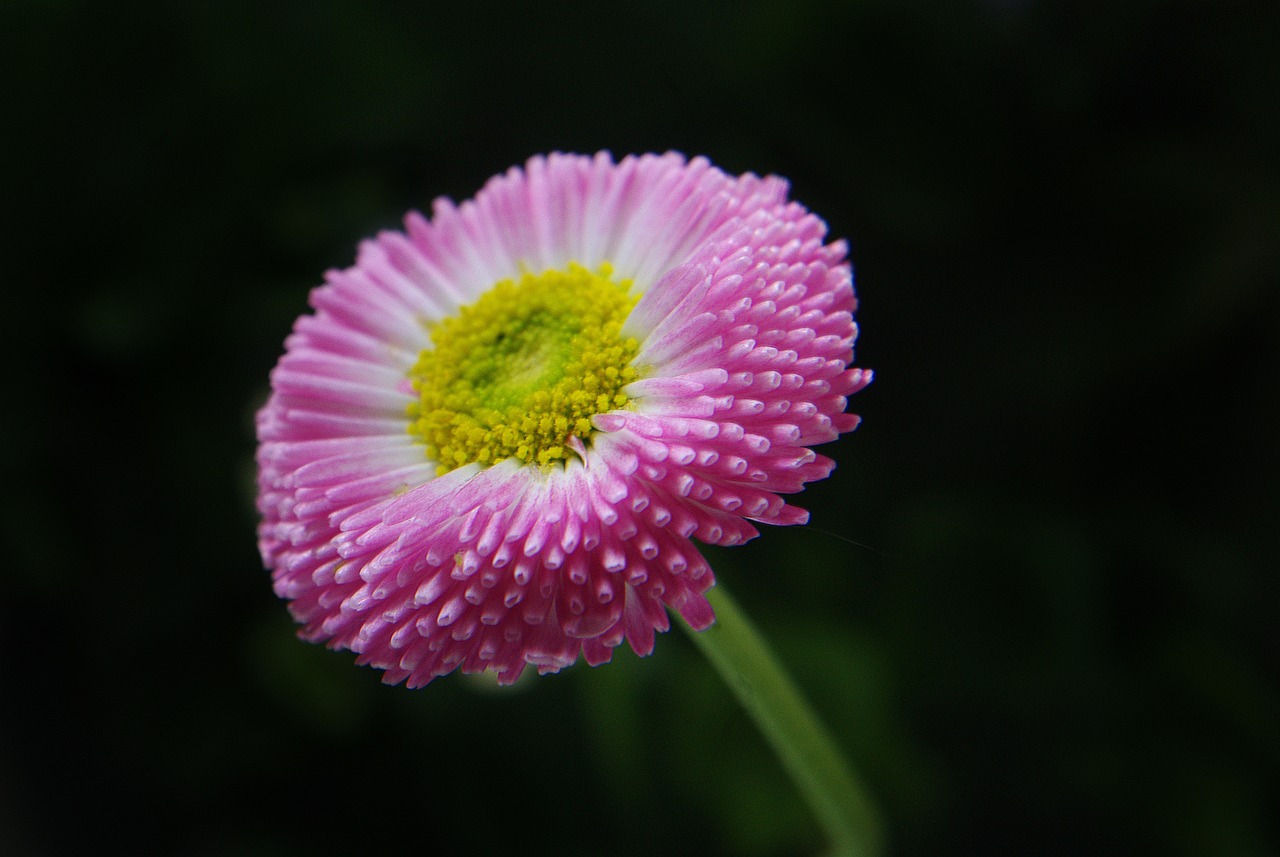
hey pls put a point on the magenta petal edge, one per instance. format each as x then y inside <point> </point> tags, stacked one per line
<point>745,331</point>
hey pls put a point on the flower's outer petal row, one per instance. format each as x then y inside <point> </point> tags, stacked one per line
<point>499,568</point>
<point>746,332</point>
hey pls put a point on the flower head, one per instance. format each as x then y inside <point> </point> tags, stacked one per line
<point>492,442</point>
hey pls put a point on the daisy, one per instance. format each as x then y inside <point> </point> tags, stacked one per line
<point>495,438</point>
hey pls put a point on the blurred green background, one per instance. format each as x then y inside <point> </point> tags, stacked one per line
<point>1037,601</point>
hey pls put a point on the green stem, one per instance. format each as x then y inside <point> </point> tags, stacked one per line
<point>744,661</point>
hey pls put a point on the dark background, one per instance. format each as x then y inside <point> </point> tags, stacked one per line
<point>1037,602</point>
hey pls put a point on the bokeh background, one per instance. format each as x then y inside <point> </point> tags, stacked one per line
<point>1036,604</point>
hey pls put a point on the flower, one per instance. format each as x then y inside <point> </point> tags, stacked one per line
<point>491,443</point>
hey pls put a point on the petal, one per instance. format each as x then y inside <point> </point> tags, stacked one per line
<point>746,332</point>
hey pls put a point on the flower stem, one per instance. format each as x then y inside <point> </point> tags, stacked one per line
<point>745,662</point>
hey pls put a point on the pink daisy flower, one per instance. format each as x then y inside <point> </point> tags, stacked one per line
<point>495,438</point>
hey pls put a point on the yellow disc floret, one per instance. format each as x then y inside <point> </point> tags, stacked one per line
<point>523,369</point>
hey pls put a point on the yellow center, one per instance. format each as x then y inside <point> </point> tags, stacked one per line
<point>523,369</point>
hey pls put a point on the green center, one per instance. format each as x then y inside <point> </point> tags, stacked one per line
<point>523,369</point>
